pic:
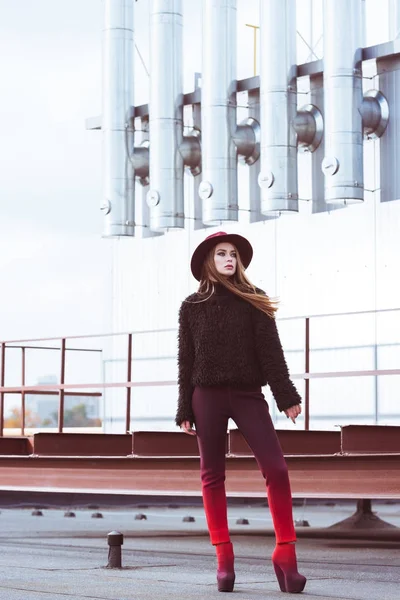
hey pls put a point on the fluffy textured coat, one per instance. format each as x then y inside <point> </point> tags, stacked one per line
<point>224,340</point>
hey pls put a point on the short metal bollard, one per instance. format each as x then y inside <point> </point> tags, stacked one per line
<point>188,519</point>
<point>115,540</point>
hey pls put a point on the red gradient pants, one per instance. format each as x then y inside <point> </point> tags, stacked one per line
<point>212,407</point>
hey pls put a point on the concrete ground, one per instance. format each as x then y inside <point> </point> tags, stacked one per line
<point>56,557</point>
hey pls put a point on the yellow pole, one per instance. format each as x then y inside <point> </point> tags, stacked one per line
<point>254,27</point>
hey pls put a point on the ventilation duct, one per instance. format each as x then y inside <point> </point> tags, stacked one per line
<point>278,98</point>
<point>118,203</point>
<point>343,97</point>
<point>165,197</point>
<point>218,189</point>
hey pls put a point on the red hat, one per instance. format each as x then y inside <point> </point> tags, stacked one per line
<point>199,255</point>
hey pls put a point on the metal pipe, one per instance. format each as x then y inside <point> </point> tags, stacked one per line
<point>278,96</point>
<point>307,381</point>
<point>129,389</point>
<point>23,371</point>
<point>165,197</point>
<point>117,120</point>
<point>318,180</point>
<point>194,198</point>
<point>218,189</point>
<point>343,161</point>
<point>253,100</point>
<point>388,69</point>
<point>142,166</point>
<point>2,382</point>
<point>61,391</point>
<point>394,19</point>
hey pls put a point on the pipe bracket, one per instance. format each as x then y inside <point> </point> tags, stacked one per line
<point>190,150</point>
<point>141,162</point>
<point>247,140</point>
<point>374,112</point>
<point>309,125</point>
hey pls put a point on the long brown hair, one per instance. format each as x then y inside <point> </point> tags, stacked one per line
<point>238,284</point>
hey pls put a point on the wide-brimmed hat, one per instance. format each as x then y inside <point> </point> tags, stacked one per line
<point>199,255</point>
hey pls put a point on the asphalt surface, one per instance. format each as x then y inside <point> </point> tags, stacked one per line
<point>57,557</point>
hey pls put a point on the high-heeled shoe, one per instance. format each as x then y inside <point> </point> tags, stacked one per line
<point>225,569</point>
<point>285,566</point>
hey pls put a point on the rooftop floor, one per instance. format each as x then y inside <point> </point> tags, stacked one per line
<point>55,557</point>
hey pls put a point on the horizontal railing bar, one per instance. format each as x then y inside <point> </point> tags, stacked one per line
<point>65,386</point>
<point>125,384</point>
<point>52,348</point>
<point>371,346</point>
<point>344,314</point>
<point>174,330</point>
<point>279,417</point>
<point>173,356</point>
<point>93,335</point>
<point>372,372</point>
<point>55,392</point>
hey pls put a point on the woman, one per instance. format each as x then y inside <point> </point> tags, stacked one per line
<point>229,348</point>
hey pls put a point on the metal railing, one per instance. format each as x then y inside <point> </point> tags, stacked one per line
<point>64,389</point>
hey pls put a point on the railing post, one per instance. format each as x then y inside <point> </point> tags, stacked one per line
<point>62,391</point>
<point>2,381</point>
<point>307,381</point>
<point>129,389</point>
<point>23,392</point>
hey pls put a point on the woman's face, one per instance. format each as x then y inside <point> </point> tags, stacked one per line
<point>225,259</point>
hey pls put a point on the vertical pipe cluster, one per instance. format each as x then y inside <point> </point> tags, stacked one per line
<point>394,19</point>
<point>160,161</point>
<point>165,197</point>
<point>117,122</point>
<point>278,96</point>
<point>343,161</point>
<point>388,69</point>
<point>218,189</point>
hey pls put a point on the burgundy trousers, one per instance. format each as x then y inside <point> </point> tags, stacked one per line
<point>212,407</point>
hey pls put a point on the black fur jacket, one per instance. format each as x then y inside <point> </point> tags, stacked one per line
<point>227,341</point>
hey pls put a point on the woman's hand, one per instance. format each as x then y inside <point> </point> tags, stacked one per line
<point>187,428</point>
<point>293,412</point>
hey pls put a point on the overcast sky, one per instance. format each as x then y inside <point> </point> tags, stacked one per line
<point>54,265</point>
<point>52,259</point>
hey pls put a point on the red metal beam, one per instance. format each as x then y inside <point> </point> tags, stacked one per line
<point>293,442</point>
<point>81,444</point>
<point>362,476</point>
<point>370,439</point>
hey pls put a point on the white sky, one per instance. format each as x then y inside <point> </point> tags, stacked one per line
<point>54,266</point>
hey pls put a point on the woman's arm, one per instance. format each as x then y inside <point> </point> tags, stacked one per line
<point>272,361</point>
<point>185,365</point>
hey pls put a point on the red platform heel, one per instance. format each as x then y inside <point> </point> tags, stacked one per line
<point>225,569</point>
<point>285,565</point>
